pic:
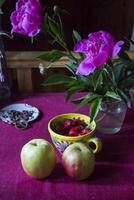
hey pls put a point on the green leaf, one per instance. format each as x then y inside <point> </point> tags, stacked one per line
<point>72,90</point>
<point>97,78</point>
<point>72,83</point>
<point>56,29</point>
<point>109,73</point>
<point>57,79</point>
<point>113,76</point>
<point>82,56</point>
<point>125,97</point>
<point>122,54</point>
<point>45,26</point>
<point>94,96</point>
<point>81,101</point>
<point>130,80</point>
<point>86,81</point>
<point>85,99</point>
<point>119,67</point>
<point>51,56</point>
<point>82,82</point>
<point>71,66</point>
<point>94,108</point>
<point>76,36</point>
<point>112,95</point>
<point>130,65</point>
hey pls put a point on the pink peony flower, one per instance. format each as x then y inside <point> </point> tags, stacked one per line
<point>98,48</point>
<point>27,19</point>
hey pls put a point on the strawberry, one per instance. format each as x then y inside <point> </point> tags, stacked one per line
<point>85,131</point>
<point>78,121</point>
<point>59,128</point>
<point>74,131</point>
<point>67,123</point>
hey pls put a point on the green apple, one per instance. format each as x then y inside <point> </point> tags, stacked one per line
<point>38,158</point>
<point>78,161</point>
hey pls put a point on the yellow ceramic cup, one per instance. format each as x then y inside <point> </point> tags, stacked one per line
<point>61,142</point>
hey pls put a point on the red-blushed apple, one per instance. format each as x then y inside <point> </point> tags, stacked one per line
<point>38,158</point>
<point>78,161</point>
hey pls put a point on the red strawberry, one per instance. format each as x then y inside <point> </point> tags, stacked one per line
<point>68,123</point>
<point>78,121</point>
<point>74,131</point>
<point>85,131</point>
<point>59,128</point>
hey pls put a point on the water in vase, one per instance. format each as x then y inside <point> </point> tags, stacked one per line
<point>109,120</point>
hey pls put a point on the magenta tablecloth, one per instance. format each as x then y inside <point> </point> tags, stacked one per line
<point>113,178</point>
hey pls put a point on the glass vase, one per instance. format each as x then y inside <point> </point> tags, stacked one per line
<point>4,83</point>
<point>111,116</point>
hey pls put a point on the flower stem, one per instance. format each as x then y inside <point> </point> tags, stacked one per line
<point>64,46</point>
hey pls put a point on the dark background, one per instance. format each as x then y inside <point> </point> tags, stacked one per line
<point>85,16</point>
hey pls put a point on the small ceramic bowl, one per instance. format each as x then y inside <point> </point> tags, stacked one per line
<point>61,142</point>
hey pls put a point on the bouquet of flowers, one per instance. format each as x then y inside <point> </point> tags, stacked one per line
<point>98,64</point>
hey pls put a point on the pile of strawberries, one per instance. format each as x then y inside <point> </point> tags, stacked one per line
<point>71,127</point>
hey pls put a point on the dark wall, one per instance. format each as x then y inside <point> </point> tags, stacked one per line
<point>85,16</point>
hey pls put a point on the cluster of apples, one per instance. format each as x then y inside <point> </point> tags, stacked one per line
<point>38,159</point>
<point>71,127</point>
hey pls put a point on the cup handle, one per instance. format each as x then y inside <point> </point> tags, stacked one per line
<point>97,142</point>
